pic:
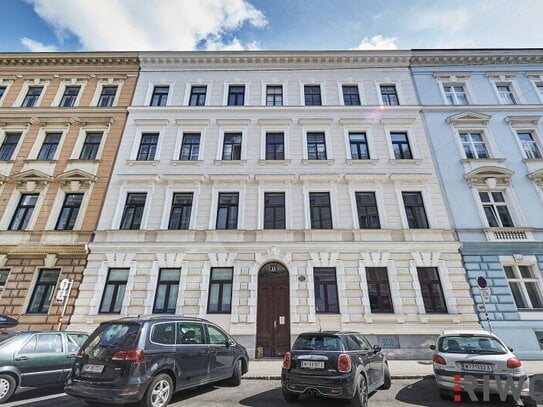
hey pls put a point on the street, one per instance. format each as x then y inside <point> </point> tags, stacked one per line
<point>261,393</point>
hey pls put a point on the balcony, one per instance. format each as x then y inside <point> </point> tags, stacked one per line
<point>508,234</point>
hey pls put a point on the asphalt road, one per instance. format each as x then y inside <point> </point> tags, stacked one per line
<point>263,393</point>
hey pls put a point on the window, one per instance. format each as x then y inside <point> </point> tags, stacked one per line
<point>274,210</point>
<point>275,146</point>
<point>400,146</point>
<point>274,95</point>
<point>350,95</point>
<point>198,96</point>
<point>69,212</point>
<point>359,146</point>
<point>495,209</point>
<point>107,97</point>
<point>91,146</point>
<point>389,95</point>
<point>190,333</point>
<point>474,145</point>
<point>160,95</point>
<point>326,298</point>
<point>316,146</point>
<point>220,291</point>
<point>525,286</point>
<point>455,94</point>
<point>32,96</point>
<point>231,149</point>
<point>148,146</point>
<point>312,95</point>
<point>432,293</point>
<point>133,210</point>
<point>368,214</point>
<point>227,211</point>
<point>216,337</point>
<point>167,291</point>
<point>414,210</point>
<point>321,211</point>
<point>2,91</point>
<point>181,210</point>
<point>49,343</point>
<point>190,147</point>
<point>529,145</point>
<point>75,341</point>
<point>236,95</point>
<point>23,213</point>
<point>163,334</point>
<point>379,289</point>
<point>9,145</point>
<point>30,346</point>
<point>4,274</point>
<point>506,94</point>
<point>112,300</point>
<point>70,96</point>
<point>49,146</point>
<point>43,291</point>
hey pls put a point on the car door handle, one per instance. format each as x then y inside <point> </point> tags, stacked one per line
<point>71,355</point>
<point>205,352</point>
<point>21,358</point>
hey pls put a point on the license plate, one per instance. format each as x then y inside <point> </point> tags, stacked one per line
<point>310,364</point>
<point>96,369</point>
<point>479,367</point>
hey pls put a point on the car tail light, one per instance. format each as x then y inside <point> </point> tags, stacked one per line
<point>286,360</point>
<point>513,363</point>
<point>133,355</point>
<point>344,363</point>
<point>440,360</point>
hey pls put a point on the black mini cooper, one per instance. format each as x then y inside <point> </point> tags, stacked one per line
<point>334,364</point>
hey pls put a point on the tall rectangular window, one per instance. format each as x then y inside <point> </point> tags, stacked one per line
<point>148,144</point>
<point>368,214</point>
<point>389,95</point>
<point>69,212</point>
<point>49,146</point>
<point>350,95</point>
<point>231,149</point>
<point>236,95</point>
<point>9,145</point>
<point>112,299</point>
<point>495,209</point>
<point>359,146</point>
<point>474,145</point>
<point>190,147</point>
<point>274,210</point>
<point>107,97</point>
<point>70,96</point>
<point>43,291</point>
<point>414,210</point>
<point>455,94</point>
<point>525,286</point>
<point>312,95</point>
<point>431,290</point>
<point>167,291</point>
<point>181,210</point>
<point>400,146</point>
<point>198,96</point>
<point>275,146</point>
<point>32,96</point>
<point>379,289</point>
<point>91,146</point>
<point>160,95</point>
<point>4,274</point>
<point>321,210</point>
<point>274,95</point>
<point>506,95</point>
<point>133,210</point>
<point>316,146</point>
<point>220,291</point>
<point>23,213</point>
<point>227,210</point>
<point>326,297</point>
<point>529,145</point>
<point>2,91</point>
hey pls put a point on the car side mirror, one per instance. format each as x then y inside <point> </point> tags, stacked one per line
<point>376,348</point>
<point>433,347</point>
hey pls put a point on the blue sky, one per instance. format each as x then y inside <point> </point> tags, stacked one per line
<point>72,25</point>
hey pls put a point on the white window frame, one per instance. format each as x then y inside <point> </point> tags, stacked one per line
<point>320,84</point>
<point>57,208</point>
<point>537,140</point>
<point>399,92</point>
<point>369,140</point>
<point>105,82</point>
<point>137,141</point>
<point>123,193</point>
<point>483,132</point>
<point>410,138</point>
<point>82,83</point>
<point>528,261</point>
<point>40,138</point>
<point>13,129</point>
<point>181,130</point>
<point>11,207</point>
<point>150,89</point>
<point>332,190</point>
<point>511,203</point>
<point>506,79</point>
<point>318,129</point>
<point>226,92</point>
<point>275,129</point>
<point>172,189</point>
<point>80,141</point>
<point>224,188</point>
<point>454,94</point>
<point>234,129</point>
<point>426,201</point>
<point>24,90</point>
<point>264,188</point>
<point>359,85</point>
<point>7,83</point>
<point>379,197</point>
<point>274,83</point>
<point>188,90</point>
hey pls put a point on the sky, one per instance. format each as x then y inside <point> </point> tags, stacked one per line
<point>142,25</point>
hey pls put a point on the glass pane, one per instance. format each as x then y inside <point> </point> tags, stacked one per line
<point>108,297</point>
<point>221,274</point>
<point>118,275</point>
<point>172,301</point>
<point>213,298</point>
<point>517,295</point>
<point>526,271</point>
<point>119,298</point>
<point>49,343</point>
<point>509,271</point>
<point>535,294</point>
<point>160,297</point>
<point>190,333</point>
<point>163,333</point>
<point>216,337</point>
<point>170,275</point>
<point>226,296</point>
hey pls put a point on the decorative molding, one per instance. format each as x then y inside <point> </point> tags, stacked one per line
<point>476,57</point>
<point>120,259</point>
<point>42,250</point>
<point>76,180</point>
<point>31,181</point>
<point>375,259</point>
<point>537,176</point>
<point>522,121</point>
<point>151,122</point>
<point>489,176</point>
<point>3,260</point>
<point>469,118</point>
<point>324,259</point>
<point>69,59</point>
<point>426,259</point>
<point>50,260</point>
<point>222,259</point>
<point>170,260</point>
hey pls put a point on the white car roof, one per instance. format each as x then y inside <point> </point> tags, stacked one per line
<point>467,332</point>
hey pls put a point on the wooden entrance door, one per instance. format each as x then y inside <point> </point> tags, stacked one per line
<point>273,310</point>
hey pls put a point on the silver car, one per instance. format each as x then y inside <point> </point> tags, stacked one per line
<point>472,363</point>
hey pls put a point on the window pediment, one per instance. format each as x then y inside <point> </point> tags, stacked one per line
<point>469,118</point>
<point>523,121</point>
<point>490,177</point>
<point>536,176</point>
<point>76,180</point>
<point>31,181</point>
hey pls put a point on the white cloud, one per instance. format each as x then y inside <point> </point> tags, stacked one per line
<point>148,25</point>
<point>377,42</point>
<point>216,44</point>
<point>36,46</point>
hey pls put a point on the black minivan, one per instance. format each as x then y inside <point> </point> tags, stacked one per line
<point>147,360</point>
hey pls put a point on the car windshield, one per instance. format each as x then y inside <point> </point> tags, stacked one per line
<point>472,344</point>
<point>317,342</point>
<point>109,337</point>
<point>5,337</point>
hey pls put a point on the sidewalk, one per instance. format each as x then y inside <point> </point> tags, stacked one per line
<point>400,369</point>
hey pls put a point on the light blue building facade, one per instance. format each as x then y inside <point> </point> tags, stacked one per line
<point>483,112</point>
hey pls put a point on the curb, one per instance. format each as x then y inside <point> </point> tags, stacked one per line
<point>394,377</point>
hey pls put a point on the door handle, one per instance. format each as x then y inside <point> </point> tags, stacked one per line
<point>71,356</point>
<point>21,358</point>
<point>274,324</point>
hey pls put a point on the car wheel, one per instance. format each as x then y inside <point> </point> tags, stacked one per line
<point>387,383</point>
<point>159,392</point>
<point>290,397</point>
<point>235,380</point>
<point>360,398</point>
<point>7,387</point>
<point>445,394</point>
<point>529,402</point>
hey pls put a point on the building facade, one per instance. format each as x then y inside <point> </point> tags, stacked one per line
<point>61,120</point>
<point>483,114</point>
<point>275,193</point>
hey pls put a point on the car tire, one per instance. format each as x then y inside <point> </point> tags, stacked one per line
<point>8,385</point>
<point>528,402</point>
<point>445,394</point>
<point>387,381</point>
<point>289,396</point>
<point>235,380</point>
<point>159,393</point>
<point>361,394</point>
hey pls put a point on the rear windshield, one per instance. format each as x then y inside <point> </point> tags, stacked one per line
<point>317,342</point>
<point>5,337</point>
<point>109,337</point>
<point>478,344</point>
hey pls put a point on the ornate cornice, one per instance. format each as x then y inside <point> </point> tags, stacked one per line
<point>477,57</point>
<point>72,59</point>
<point>43,250</point>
